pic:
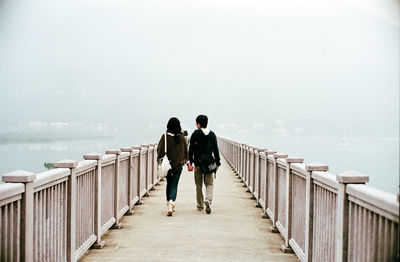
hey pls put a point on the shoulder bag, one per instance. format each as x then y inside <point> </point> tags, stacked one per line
<point>164,166</point>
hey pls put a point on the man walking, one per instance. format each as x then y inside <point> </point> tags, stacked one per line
<point>203,152</point>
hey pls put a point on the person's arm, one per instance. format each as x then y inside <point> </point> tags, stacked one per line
<point>191,149</point>
<point>216,151</point>
<point>160,149</point>
<point>186,154</point>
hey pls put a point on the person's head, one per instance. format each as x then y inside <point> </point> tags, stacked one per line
<point>201,121</point>
<point>185,133</point>
<point>174,126</point>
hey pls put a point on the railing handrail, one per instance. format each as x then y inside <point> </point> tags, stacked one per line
<point>53,196</point>
<point>339,209</point>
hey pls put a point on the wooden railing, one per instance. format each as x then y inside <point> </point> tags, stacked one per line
<point>59,214</point>
<point>321,216</point>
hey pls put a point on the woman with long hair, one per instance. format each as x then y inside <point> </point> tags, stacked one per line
<point>177,154</point>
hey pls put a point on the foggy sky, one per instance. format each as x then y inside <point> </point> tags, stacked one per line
<point>323,69</point>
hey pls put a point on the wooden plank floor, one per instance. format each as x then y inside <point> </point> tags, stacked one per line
<point>234,231</point>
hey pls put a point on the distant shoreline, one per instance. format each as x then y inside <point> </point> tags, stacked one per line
<point>28,138</point>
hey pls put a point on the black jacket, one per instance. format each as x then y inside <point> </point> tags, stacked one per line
<point>203,144</point>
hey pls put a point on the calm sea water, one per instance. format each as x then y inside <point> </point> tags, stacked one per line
<point>376,157</point>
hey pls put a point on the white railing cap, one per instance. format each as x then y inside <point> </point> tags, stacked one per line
<point>294,159</point>
<point>92,156</point>
<point>113,151</point>
<point>137,147</point>
<point>352,177</point>
<point>316,167</point>
<point>19,176</point>
<point>270,152</point>
<point>280,155</point>
<point>126,149</point>
<point>66,163</point>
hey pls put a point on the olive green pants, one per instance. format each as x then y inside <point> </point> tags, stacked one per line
<point>208,180</point>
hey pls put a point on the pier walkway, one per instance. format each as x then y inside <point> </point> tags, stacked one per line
<point>234,231</point>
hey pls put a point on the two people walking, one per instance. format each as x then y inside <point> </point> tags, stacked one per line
<point>203,154</point>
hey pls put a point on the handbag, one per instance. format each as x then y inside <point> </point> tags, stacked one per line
<point>164,166</point>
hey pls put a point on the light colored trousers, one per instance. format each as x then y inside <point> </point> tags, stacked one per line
<point>208,180</point>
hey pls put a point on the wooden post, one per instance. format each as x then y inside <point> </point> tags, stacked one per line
<point>97,205</point>
<point>288,205</point>
<point>342,211</point>
<point>310,207</point>
<point>139,148</point>
<point>268,152</point>
<point>276,191</point>
<point>130,179</point>
<point>71,206</point>
<point>27,178</point>
<point>116,152</point>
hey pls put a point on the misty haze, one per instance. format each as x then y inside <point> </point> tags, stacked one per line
<point>319,80</point>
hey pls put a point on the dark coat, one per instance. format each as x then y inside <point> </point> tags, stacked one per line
<point>177,152</point>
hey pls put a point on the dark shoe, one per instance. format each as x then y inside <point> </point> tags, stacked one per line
<point>200,208</point>
<point>208,207</point>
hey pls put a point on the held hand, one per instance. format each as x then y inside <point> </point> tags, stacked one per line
<point>190,167</point>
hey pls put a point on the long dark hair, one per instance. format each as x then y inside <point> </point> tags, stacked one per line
<point>174,127</point>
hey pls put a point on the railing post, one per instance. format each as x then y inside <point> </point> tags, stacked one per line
<point>310,208</point>
<point>288,205</point>
<point>139,148</point>
<point>27,178</point>
<point>71,206</point>
<point>276,192</point>
<point>342,211</point>
<point>97,205</point>
<point>116,152</point>
<point>130,173</point>
<point>250,182</point>
<point>154,165</point>
<point>268,152</point>
<point>259,150</point>
<point>147,148</point>
<point>151,167</point>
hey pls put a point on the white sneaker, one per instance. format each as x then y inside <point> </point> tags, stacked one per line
<point>169,206</point>
<point>172,205</point>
